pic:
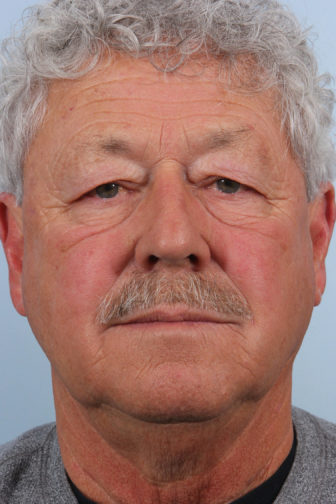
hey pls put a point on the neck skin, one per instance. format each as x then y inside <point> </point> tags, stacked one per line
<point>113,458</point>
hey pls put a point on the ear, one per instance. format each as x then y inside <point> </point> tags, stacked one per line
<point>11,235</point>
<point>322,219</point>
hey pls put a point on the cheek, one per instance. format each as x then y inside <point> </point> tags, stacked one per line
<point>64,280</point>
<point>264,256</point>
<point>271,264</point>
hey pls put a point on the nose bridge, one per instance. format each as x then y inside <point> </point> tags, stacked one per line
<point>172,232</point>
<point>170,200</point>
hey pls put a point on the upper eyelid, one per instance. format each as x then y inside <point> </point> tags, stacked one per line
<point>112,182</point>
<point>215,179</point>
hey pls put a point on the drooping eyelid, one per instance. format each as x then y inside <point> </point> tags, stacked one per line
<point>223,165</point>
<point>208,167</point>
<point>82,180</point>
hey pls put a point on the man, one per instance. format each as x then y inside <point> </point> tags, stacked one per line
<point>166,213</point>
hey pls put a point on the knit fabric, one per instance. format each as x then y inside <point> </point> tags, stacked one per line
<point>32,472</point>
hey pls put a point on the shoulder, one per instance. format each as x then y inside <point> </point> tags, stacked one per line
<point>311,425</point>
<point>26,443</point>
<point>318,436</point>
<point>22,463</point>
<point>313,475</point>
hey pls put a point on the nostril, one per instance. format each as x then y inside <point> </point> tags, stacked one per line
<point>193,259</point>
<point>153,259</point>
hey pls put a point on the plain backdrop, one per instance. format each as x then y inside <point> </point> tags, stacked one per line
<point>25,385</point>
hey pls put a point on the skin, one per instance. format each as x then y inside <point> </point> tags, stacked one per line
<point>179,407</point>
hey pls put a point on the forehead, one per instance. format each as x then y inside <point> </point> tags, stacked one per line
<point>124,88</point>
<point>126,106</point>
<point>140,74</point>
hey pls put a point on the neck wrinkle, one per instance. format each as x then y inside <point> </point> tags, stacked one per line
<point>241,452</point>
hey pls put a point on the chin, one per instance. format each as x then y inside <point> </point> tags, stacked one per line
<point>176,404</point>
<point>172,392</point>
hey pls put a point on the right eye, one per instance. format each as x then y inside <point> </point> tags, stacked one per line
<point>105,191</point>
<point>228,186</point>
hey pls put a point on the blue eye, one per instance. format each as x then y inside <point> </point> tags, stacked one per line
<point>227,185</point>
<point>109,190</point>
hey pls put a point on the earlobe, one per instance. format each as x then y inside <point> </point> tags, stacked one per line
<point>11,235</point>
<point>322,219</point>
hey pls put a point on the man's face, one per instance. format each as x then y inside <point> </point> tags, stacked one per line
<point>161,178</point>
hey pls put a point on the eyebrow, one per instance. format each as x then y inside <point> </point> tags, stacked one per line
<point>225,138</point>
<point>213,141</point>
<point>113,145</point>
<point>100,145</point>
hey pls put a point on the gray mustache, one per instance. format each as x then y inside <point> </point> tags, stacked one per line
<point>146,291</point>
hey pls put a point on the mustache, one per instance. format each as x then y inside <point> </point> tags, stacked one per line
<point>146,291</point>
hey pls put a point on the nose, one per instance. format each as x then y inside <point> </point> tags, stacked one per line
<point>174,231</point>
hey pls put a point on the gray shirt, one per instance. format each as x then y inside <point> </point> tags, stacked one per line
<point>31,469</point>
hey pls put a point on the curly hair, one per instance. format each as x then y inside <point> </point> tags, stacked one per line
<point>64,39</point>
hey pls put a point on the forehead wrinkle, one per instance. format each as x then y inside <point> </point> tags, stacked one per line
<point>186,136</point>
<point>129,82</point>
<point>139,99</point>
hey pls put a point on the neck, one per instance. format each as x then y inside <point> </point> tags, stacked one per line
<point>113,458</point>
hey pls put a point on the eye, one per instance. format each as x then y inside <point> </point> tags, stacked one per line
<point>109,190</point>
<point>227,185</point>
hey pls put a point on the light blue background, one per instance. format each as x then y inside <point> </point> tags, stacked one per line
<point>25,385</point>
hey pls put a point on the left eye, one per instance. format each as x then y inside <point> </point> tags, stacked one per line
<point>227,185</point>
<point>109,190</point>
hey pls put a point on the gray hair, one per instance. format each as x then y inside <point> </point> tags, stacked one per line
<point>65,39</point>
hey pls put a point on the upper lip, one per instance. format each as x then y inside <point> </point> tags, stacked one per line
<point>175,314</point>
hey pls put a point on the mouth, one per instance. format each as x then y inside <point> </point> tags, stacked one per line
<point>171,315</point>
